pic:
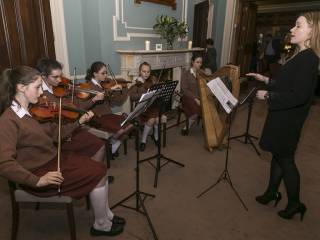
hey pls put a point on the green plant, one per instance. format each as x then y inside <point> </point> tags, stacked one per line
<point>169,28</point>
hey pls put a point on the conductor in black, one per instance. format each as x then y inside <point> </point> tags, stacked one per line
<point>289,97</point>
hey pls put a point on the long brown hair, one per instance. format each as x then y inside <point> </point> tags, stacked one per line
<point>9,80</point>
<point>313,19</point>
<point>95,68</point>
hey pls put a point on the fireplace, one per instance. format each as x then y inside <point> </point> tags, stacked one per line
<point>173,61</point>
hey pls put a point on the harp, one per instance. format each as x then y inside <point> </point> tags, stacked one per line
<point>215,121</point>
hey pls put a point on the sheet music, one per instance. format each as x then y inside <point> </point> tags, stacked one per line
<point>224,96</point>
<point>141,105</point>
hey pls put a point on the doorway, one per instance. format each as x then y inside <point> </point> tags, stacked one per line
<point>200,24</point>
<point>25,32</point>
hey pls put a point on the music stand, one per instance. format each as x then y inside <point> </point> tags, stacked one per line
<point>247,136</point>
<point>225,173</point>
<point>140,108</point>
<point>167,88</point>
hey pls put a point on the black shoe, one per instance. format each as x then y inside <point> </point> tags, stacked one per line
<point>266,198</point>
<point>118,220</point>
<point>115,230</point>
<point>142,147</point>
<point>115,155</point>
<point>184,132</point>
<point>292,209</point>
<point>110,179</point>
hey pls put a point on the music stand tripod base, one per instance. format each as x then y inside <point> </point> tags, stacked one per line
<point>225,173</point>
<point>167,89</point>
<point>139,196</point>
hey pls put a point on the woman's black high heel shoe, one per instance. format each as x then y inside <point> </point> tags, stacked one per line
<point>290,211</point>
<point>266,198</point>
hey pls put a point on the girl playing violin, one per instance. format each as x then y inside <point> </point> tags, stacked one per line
<point>150,116</point>
<point>51,72</point>
<point>28,154</point>
<point>97,80</point>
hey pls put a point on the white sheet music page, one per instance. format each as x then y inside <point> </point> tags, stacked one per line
<point>141,105</point>
<point>221,92</point>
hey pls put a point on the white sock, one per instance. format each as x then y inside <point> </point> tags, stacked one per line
<point>191,122</point>
<point>98,198</point>
<point>108,210</point>
<point>115,144</point>
<point>155,132</point>
<point>145,133</point>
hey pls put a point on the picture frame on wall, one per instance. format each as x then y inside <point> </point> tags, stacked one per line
<point>171,3</point>
<point>158,47</point>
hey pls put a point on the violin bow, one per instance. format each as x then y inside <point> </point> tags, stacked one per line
<point>112,74</point>
<point>59,140</point>
<point>73,84</point>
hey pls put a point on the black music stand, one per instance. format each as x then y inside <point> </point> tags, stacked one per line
<point>225,173</point>
<point>167,88</point>
<point>140,196</point>
<point>247,136</point>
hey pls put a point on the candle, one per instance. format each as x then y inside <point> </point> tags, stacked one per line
<point>189,44</point>
<point>147,45</point>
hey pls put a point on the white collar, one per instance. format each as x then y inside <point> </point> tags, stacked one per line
<point>45,87</point>
<point>139,79</point>
<point>193,72</point>
<point>20,111</point>
<point>95,82</point>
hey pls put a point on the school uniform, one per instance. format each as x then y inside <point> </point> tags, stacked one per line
<point>190,91</point>
<point>81,140</point>
<point>28,151</point>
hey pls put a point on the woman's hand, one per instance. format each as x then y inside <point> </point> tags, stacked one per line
<point>98,97</point>
<point>49,178</point>
<point>197,101</point>
<point>86,117</point>
<point>261,94</point>
<point>258,77</point>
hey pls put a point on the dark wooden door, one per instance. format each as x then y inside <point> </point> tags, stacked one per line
<point>25,32</point>
<point>246,37</point>
<point>200,24</point>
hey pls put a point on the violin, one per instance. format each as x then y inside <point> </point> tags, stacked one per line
<point>110,83</point>
<point>82,90</point>
<point>113,81</point>
<point>48,112</point>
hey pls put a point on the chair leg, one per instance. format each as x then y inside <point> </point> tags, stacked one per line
<point>88,202</point>
<point>71,221</point>
<point>15,220</point>
<point>187,123</point>
<point>37,206</point>
<point>164,134</point>
<point>179,117</point>
<point>198,120</point>
<point>125,146</point>
<point>108,153</point>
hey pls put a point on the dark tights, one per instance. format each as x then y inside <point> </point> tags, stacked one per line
<point>284,167</point>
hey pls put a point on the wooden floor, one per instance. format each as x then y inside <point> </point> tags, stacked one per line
<point>176,212</point>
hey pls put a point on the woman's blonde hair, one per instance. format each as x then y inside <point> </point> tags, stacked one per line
<point>313,19</point>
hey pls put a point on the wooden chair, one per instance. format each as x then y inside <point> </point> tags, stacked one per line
<point>181,111</point>
<point>105,136</point>
<point>20,196</point>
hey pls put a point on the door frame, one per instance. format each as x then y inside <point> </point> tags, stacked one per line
<point>229,31</point>
<point>60,36</point>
